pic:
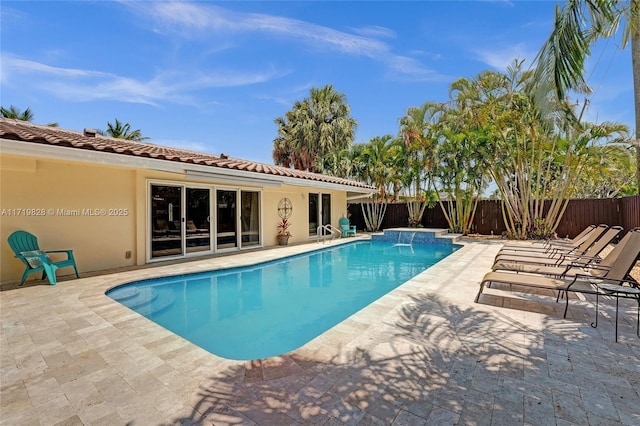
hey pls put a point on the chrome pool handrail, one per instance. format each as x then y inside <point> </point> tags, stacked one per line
<point>330,229</point>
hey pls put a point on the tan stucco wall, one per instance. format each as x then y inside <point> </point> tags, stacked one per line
<point>299,197</point>
<point>52,199</point>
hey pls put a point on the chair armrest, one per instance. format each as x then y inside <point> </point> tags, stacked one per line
<point>69,253</point>
<point>574,259</point>
<point>562,251</point>
<point>595,266</point>
<point>627,280</point>
<point>58,251</point>
<point>35,259</point>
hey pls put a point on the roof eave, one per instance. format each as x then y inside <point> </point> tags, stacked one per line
<point>203,172</point>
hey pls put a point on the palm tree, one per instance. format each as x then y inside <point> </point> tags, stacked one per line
<point>419,145</point>
<point>121,130</point>
<point>609,172</point>
<point>16,114</point>
<point>315,127</point>
<point>462,146</point>
<point>579,24</point>
<point>283,154</point>
<point>378,162</point>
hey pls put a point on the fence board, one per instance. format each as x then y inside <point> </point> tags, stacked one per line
<point>630,212</point>
<point>488,219</point>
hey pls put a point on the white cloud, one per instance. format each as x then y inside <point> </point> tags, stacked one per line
<point>87,85</point>
<point>206,20</point>
<point>500,58</point>
<point>375,31</point>
<point>214,19</point>
<point>10,62</point>
<point>401,66</point>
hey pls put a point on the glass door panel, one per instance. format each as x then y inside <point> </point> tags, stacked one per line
<point>198,224</point>
<point>166,216</point>
<point>226,222</point>
<point>250,219</point>
<point>326,209</point>
<point>313,214</point>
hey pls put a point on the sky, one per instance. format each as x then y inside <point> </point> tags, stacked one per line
<point>212,76</point>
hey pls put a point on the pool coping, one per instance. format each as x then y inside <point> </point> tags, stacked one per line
<point>300,251</point>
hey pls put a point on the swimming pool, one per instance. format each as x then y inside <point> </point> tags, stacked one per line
<point>275,307</point>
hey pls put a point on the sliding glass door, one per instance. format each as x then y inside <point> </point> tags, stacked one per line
<point>319,212</point>
<point>186,220</point>
<point>226,220</point>
<point>325,209</point>
<point>314,216</point>
<point>166,218</point>
<point>198,224</point>
<point>250,218</point>
<point>180,220</point>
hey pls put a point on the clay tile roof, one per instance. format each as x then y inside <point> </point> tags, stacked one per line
<point>32,133</point>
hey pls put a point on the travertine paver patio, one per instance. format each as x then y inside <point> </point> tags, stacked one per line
<point>423,354</point>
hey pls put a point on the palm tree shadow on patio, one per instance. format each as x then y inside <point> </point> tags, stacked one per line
<point>437,359</point>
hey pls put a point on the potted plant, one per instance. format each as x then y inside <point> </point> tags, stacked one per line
<point>283,232</point>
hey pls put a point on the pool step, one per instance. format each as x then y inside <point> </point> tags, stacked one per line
<point>417,236</point>
<point>146,300</point>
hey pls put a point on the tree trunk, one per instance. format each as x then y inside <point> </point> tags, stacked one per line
<point>635,61</point>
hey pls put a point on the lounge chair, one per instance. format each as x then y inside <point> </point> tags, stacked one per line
<point>193,229</point>
<point>548,244</point>
<point>25,247</point>
<point>555,255</point>
<point>556,245</point>
<point>346,227</point>
<point>580,283</point>
<point>591,263</point>
<point>563,258</point>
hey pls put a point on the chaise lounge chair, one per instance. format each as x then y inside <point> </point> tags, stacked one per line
<point>563,258</point>
<point>547,245</point>
<point>555,255</point>
<point>591,263</point>
<point>581,283</point>
<point>25,247</point>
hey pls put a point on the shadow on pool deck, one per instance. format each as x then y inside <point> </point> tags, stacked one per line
<point>442,365</point>
<point>422,354</point>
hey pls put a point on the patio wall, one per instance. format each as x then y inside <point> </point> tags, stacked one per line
<point>488,219</point>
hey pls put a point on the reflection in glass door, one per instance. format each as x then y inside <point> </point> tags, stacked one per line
<point>166,216</point>
<point>319,212</point>
<point>198,224</point>
<point>226,222</point>
<point>250,218</point>
<point>313,214</point>
<point>326,209</point>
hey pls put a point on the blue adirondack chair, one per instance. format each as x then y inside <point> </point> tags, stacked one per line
<point>346,227</point>
<point>25,247</point>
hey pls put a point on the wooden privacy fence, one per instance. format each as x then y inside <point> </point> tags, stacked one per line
<point>488,220</point>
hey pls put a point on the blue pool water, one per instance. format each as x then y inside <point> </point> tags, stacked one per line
<point>275,307</point>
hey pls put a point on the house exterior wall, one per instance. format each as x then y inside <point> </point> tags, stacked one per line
<point>55,196</point>
<point>100,211</point>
